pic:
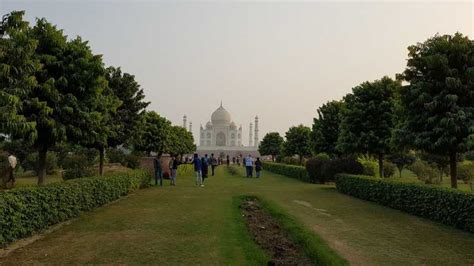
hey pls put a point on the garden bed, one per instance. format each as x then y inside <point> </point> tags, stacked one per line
<point>268,234</point>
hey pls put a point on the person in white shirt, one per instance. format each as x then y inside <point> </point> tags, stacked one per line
<point>249,165</point>
<point>13,162</point>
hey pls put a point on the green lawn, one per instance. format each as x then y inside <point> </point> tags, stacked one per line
<point>200,226</point>
<point>409,176</point>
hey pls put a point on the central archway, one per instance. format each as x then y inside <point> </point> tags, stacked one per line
<point>220,139</point>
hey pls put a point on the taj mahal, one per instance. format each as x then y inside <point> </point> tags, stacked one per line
<point>221,135</point>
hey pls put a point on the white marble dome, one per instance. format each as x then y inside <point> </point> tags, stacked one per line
<point>221,116</point>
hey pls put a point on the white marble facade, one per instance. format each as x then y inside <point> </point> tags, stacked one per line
<point>221,131</point>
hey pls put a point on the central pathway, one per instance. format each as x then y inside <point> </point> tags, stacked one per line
<point>197,226</point>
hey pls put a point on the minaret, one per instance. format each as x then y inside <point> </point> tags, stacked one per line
<point>184,121</point>
<point>250,135</point>
<point>255,141</point>
<point>191,126</point>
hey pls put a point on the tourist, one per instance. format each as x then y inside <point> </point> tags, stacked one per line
<point>174,163</point>
<point>249,165</point>
<point>214,163</point>
<point>11,169</point>
<point>238,161</point>
<point>158,170</point>
<point>197,169</point>
<point>228,160</point>
<point>205,167</point>
<point>233,160</point>
<point>258,167</point>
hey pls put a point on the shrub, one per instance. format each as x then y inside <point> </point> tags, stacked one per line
<point>3,169</point>
<point>294,171</point>
<point>448,206</point>
<point>466,172</point>
<point>469,155</point>
<point>77,166</point>
<point>115,156</point>
<point>370,165</point>
<point>342,165</point>
<point>424,172</point>
<point>31,162</point>
<point>132,161</point>
<point>27,210</point>
<point>315,168</point>
<point>388,169</point>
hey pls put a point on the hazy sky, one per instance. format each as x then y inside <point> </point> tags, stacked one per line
<point>279,60</point>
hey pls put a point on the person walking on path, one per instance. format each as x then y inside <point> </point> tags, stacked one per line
<point>174,163</point>
<point>205,167</point>
<point>214,164</point>
<point>258,167</point>
<point>228,160</point>
<point>249,165</point>
<point>12,161</point>
<point>158,170</point>
<point>197,169</point>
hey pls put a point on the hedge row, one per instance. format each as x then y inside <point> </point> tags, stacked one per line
<point>24,211</point>
<point>451,207</point>
<point>294,171</point>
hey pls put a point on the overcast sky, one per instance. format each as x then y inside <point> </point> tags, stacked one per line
<point>279,61</point>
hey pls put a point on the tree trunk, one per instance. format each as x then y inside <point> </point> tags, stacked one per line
<point>42,153</point>
<point>301,159</point>
<point>381,165</point>
<point>101,160</point>
<point>400,169</point>
<point>453,169</point>
<point>273,158</point>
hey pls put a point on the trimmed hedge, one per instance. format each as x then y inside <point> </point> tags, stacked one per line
<point>24,211</point>
<point>448,206</point>
<point>294,171</point>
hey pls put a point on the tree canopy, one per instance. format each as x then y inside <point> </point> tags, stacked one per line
<point>368,119</point>
<point>271,144</point>
<point>154,134</point>
<point>298,140</point>
<point>325,131</point>
<point>438,103</point>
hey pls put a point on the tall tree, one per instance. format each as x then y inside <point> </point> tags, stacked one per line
<point>298,141</point>
<point>154,133</point>
<point>127,117</point>
<point>271,144</point>
<point>181,141</point>
<point>438,103</point>
<point>17,69</point>
<point>368,119</point>
<point>325,131</point>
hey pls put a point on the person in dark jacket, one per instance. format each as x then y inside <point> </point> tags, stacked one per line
<point>197,169</point>
<point>205,167</point>
<point>174,163</point>
<point>158,170</point>
<point>214,163</point>
<point>258,167</point>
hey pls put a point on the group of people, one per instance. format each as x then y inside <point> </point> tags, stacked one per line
<point>201,167</point>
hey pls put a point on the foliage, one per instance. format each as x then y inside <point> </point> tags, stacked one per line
<point>17,68</point>
<point>271,144</point>
<point>388,169</point>
<point>315,168</point>
<point>443,205</point>
<point>233,170</point>
<point>298,140</point>
<point>369,164</point>
<point>368,119</point>
<point>181,141</point>
<point>132,161</point>
<point>77,165</point>
<point>19,148</point>
<point>4,164</point>
<point>288,160</point>
<point>28,210</point>
<point>424,171</point>
<point>466,173</point>
<point>401,160</point>
<point>469,155</point>
<point>115,156</point>
<point>31,163</point>
<point>438,103</point>
<point>347,165</point>
<point>325,131</point>
<point>294,171</point>
<point>154,135</point>
<point>127,116</point>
